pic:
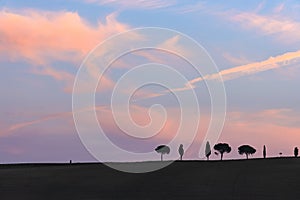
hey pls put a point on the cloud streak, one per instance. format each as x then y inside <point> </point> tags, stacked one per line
<point>271,63</point>
<point>135,4</point>
<point>46,118</point>
<point>253,68</point>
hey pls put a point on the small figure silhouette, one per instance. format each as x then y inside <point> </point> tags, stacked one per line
<point>162,149</point>
<point>181,151</point>
<point>207,150</point>
<point>296,151</point>
<point>70,161</point>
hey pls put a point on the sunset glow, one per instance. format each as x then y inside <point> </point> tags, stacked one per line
<point>255,45</point>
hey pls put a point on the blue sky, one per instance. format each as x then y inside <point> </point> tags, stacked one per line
<point>42,45</point>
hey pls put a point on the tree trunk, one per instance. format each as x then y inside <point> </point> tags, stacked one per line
<point>180,157</point>
<point>161,157</point>
<point>247,156</point>
<point>221,156</point>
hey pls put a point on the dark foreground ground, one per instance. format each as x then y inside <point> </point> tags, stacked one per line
<point>254,179</point>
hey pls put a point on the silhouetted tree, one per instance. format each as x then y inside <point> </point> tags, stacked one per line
<point>265,152</point>
<point>247,150</point>
<point>296,151</point>
<point>162,149</point>
<point>207,150</point>
<point>181,151</point>
<point>222,148</point>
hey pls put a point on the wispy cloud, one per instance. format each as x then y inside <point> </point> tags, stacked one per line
<point>260,6</point>
<point>18,126</point>
<point>61,115</point>
<point>276,128</point>
<point>139,115</point>
<point>145,4</point>
<point>192,8</point>
<point>281,27</point>
<point>236,60</point>
<point>279,8</point>
<point>172,44</point>
<point>59,75</point>
<point>284,117</point>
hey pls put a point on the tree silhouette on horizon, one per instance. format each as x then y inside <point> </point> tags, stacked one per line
<point>222,148</point>
<point>247,150</point>
<point>181,151</point>
<point>162,149</point>
<point>207,150</point>
<point>264,151</point>
<point>296,151</point>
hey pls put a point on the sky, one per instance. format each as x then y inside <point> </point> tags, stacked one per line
<point>255,46</point>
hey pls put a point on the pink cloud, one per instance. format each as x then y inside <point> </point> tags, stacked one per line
<point>276,138</point>
<point>284,29</point>
<point>281,117</point>
<point>276,128</point>
<point>40,37</point>
<point>140,116</point>
<point>174,44</point>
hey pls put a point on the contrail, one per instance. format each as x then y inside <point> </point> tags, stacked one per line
<point>18,126</point>
<point>252,68</point>
<point>237,72</point>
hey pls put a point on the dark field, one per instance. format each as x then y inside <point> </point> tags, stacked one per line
<point>254,179</point>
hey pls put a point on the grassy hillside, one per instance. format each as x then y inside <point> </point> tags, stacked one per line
<point>240,179</point>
